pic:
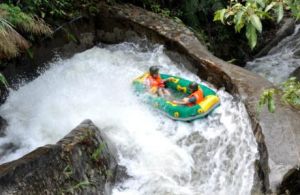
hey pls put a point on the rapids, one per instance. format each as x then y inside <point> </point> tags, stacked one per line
<point>281,60</point>
<point>214,155</point>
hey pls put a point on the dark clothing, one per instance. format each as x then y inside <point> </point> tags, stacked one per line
<point>193,100</point>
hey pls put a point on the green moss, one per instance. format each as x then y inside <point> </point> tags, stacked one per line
<point>96,154</point>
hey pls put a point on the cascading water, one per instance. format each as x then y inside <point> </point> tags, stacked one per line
<point>281,61</point>
<point>214,155</point>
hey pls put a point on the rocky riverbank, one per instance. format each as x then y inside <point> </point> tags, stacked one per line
<point>83,162</point>
<point>119,23</point>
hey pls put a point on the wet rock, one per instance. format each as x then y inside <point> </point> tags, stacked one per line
<point>3,92</point>
<point>121,174</point>
<point>296,73</point>
<point>297,54</point>
<point>83,162</point>
<point>291,182</point>
<point>286,29</point>
<point>3,125</point>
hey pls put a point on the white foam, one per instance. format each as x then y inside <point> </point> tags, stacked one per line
<point>214,155</point>
<point>280,61</point>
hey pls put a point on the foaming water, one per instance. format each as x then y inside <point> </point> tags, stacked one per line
<point>214,155</point>
<point>281,61</point>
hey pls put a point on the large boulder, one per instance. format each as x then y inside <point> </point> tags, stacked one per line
<point>83,162</point>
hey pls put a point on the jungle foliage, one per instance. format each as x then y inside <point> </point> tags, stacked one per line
<point>289,92</point>
<point>12,21</point>
<point>249,14</point>
<point>19,19</point>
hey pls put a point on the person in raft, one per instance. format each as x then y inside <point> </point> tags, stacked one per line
<point>195,98</point>
<point>155,83</point>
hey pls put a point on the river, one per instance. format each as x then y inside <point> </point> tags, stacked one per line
<point>214,155</point>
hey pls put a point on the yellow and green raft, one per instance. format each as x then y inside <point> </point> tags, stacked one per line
<point>180,86</point>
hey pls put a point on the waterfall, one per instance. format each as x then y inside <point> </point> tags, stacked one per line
<point>281,60</point>
<point>214,155</point>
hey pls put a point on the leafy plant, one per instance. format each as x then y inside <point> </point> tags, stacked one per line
<point>249,15</point>
<point>59,9</point>
<point>197,12</point>
<point>267,98</point>
<point>289,92</point>
<point>11,18</point>
<point>3,80</point>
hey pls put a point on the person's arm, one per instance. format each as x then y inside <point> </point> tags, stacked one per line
<point>168,79</point>
<point>185,101</point>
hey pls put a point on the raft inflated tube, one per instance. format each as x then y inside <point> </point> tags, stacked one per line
<point>175,111</point>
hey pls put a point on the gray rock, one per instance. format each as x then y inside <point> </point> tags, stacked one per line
<point>297,54</point>
<point>296,73</point>
<point>3,125</point>
<point>286,29</point>
<point>78,164</point>
<point>291,182</point>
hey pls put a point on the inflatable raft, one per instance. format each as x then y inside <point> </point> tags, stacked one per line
<point>180,87</point>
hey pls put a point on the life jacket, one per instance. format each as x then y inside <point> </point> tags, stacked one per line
<point>156,82</point>
<point>198,95</point>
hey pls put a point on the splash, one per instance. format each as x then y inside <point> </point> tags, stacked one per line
<point>214,155</point>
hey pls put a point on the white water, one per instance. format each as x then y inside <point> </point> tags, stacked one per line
<point>280,61</point>
<point>214,155</point>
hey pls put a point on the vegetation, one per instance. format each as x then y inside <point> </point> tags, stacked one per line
<point>96,154</point>
<point>12,18</point>
<point>3,80</point>
<point>68,171</point>
<point>59,9</point>
<point>289,92</point>
<point>250,13</point>
<point>19,19</point>
<point>79,185</point>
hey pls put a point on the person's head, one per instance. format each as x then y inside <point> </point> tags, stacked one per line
<point>154,71</point>
<point>193,86</point>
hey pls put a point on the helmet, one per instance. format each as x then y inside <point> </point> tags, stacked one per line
<point>153,70</point>
<point>193,86</point>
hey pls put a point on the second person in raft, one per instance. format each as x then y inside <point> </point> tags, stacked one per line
<point>195,98</point>
<point>155,83</point>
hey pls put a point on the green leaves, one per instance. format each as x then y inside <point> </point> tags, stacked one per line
<point>255,21</point>
<point>3,80</point>
<point>270,6</point>
<point>12,18</point>
<point>251,35</point>
<point>267,98</point>
<point>279,11</point>
<point>294,6</point>
<point>219,15</point>
<point>239,21</point>
<point>289,91</point>
<point>250,13</point>
<point>243,15</point>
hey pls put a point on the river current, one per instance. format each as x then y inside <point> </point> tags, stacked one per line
<point>214,155</point>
